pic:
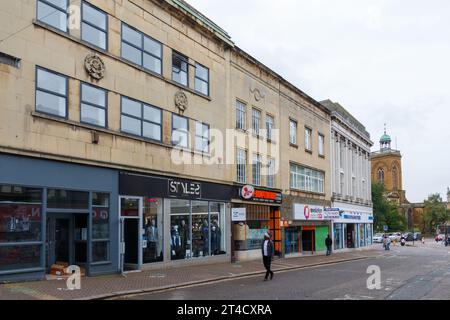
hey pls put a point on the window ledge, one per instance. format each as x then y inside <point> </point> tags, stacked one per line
<point>307,192</point>
<point>110,55</point>
<point>293,145</point>
<point>308,151</point>
<point>321,156</point>
<point>98,129</point>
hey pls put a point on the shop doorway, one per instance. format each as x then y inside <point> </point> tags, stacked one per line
<point>292,240</point>
<point>66,239</point>
<point>131,215</point>
<point>350,235</point>
<point>308,239</point>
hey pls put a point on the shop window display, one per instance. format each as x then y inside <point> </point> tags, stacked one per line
<point>20,257</point>
<point>20,214</point>
<point>100,227</point>
<point>65,199</point>
<point>361,235</point>
<point>180,238</point>
<point>153,225</point>
<point>217,217</point>
<point>200,229</point>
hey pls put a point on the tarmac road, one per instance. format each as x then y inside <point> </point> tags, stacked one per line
<point>407,273</point>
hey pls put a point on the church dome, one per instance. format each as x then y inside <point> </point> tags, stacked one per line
<point>385,138</point>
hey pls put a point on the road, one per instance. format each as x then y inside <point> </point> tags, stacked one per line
<point>407,273</point>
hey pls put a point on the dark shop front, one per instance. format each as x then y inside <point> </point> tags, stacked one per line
<point>169,220</point>
<point>56,214</point>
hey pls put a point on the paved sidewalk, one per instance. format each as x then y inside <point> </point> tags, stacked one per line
<point>102,287</point>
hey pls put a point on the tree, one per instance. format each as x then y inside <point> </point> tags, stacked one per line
<point>385,212</point>
<point>435,213</point>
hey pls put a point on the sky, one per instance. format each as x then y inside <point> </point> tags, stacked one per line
<point>385,61</point>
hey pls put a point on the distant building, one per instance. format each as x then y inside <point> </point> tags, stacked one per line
<point>350,179</point>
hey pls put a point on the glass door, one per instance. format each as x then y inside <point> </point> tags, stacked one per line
<point>131,233</point>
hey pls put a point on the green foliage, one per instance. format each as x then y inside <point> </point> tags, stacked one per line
<point>435,213</point>
<point>385,212</point>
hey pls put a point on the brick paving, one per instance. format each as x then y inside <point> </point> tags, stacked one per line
<point>101,287</point>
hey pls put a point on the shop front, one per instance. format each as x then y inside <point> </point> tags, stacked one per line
<point>255,211</point>
<point>55,214</point>
<point>306,232</point>
<point>352,229</point>
<point>172,221</point>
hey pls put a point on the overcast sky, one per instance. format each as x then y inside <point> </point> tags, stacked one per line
<point>383,60</point>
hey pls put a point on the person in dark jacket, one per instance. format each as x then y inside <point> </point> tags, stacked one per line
<point>267,253</point>
<point>328,243</point>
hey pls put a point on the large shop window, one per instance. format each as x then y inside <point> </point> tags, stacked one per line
<point>51,93</point>
<point>362,236</point>
<point>53,13</point>
<point>153,226</point>
<point>100,227</point>
<point>338,235</point>
<point>249,235</point>
<point>20,222</point>
<point>307,179</point>
<point>94,26</point>
<point>197,229</point>
<point>140,119</point>
<point>93,105</point>
<point>141,49</point>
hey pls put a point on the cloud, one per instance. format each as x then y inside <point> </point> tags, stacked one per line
<point>385,61</point>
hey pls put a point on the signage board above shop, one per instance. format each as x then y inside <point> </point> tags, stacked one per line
<point>251,193</point>
<point>308,212</point>
<point>182,189</point>
<point>331,213</point>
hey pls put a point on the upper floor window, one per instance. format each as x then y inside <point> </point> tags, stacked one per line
<point>94,26</point>
<point>269,127</point>
<point>51,93</point>
<point>53,13</point>
<point>307,179</point>
<point>271,172</point>
<point>293,132</point>
<point>141,49</point>
<point>321,145</point>
<point>180,69</point>
<point>202,137</point>
<point>93,105</point>
<point>141,119</point>
<point>256,164</point>
<point>380,175</point>
<point>241,167</point>
<point>180,131</point>
<point>341,154</point>
<point>202,79</point>
<point>394,178</point>
<point>256,121</point>
<point>308,136</point>
<point>241,114</point>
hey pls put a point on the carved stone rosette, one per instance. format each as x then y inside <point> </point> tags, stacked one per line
<point>94,66</point>
<point>181,101</point>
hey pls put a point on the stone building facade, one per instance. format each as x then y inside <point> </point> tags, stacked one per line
<point>130,127</point>
<point>351,179</point>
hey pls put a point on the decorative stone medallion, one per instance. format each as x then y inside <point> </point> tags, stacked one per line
<point>95,66</point>
<point>181,101</point>
<point>257,94</point>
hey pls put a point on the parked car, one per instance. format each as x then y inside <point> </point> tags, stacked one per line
<point>409,236</point>
<point>417,236</point>
<point>396,236</point>
<point>378,238</point>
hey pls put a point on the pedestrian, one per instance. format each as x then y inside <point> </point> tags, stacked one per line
<point>423,240</point>
<point>386,243</point>
<point>267,253</point>
<point>328,244</point>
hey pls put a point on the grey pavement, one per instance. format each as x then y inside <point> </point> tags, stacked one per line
<point>167,278</point>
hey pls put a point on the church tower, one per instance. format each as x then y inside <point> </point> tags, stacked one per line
<point>387,169</point>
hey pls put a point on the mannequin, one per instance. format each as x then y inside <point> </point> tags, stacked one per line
<point>215,238</point>
<point>184,234</point>
<point>152,238</point>
<point>205,237</point>
<point>175,241</point>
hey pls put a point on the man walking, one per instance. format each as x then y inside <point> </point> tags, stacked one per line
<point>328,243</point>
<point>267,253</point>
